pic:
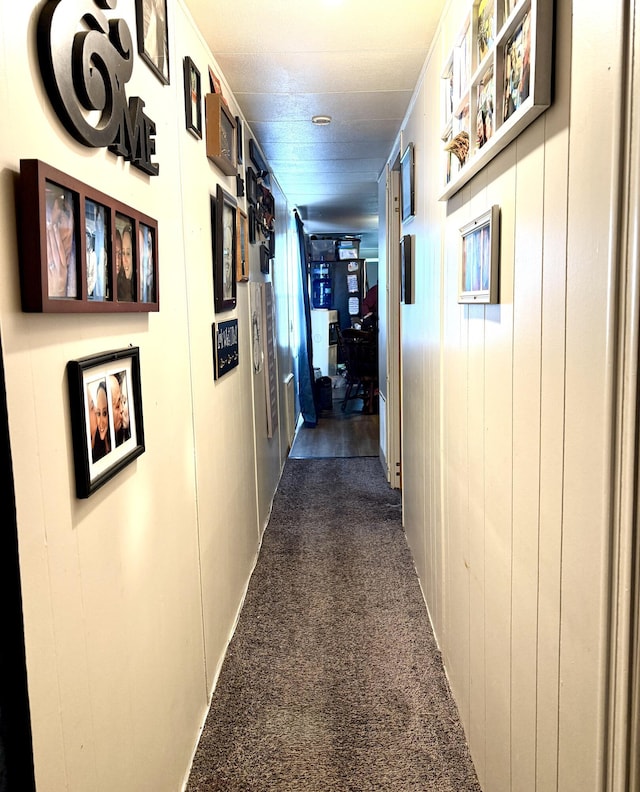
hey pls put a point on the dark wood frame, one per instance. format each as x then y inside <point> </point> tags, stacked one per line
<point>258,160</point>
<point>91,475</point>
<point>34,260</point>
<point>221,125</point>
<point>146,56</point>
<point>406,270</point>
<point>194,125</point>
<point>407,186</point>
<point>239,143</point>
<point>222,202</point>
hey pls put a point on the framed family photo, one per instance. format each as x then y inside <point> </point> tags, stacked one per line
<point>480,258</point>
<point>153,39</point>
<point>105,402</point>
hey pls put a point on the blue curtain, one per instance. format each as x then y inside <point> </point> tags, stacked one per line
<point>305,352</point>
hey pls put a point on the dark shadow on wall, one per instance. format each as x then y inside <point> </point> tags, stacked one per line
<point>16,754</point>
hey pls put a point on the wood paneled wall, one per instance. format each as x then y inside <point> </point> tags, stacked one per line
<point>506,421</point>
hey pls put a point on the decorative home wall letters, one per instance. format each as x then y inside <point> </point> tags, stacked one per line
<point>85,61</point>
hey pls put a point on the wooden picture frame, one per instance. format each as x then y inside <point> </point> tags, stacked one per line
<point>242,246</point>
<point>221,134</point>
<point>496,81</point>
<point>153,36</point>
<point>239,140</point>
<point>105,403</point>
<point>406,270</point>
<point>71,247</point>
<point>407,187</point>
<point>192,98</point>
<point>223,220</point>
<point>225,347</point>
<point>479,258</point>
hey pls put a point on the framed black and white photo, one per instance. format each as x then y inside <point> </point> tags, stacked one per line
<point>192,98</point>
<point>407,184</point>
<point>223,219</point>
<point>153,38</point>
<point>479,260</point>
<point>105,402</point>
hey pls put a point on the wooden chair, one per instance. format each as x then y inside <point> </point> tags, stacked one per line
<point>360,354</point>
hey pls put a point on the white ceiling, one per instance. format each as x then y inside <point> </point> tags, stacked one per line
<point>355,60</point>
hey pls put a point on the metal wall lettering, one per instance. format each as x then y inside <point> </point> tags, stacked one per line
<point>85,60</point>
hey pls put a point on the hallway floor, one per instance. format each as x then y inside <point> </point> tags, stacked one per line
<point>351,433</point>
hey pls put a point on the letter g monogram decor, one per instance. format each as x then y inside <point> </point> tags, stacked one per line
<point>85,61</point>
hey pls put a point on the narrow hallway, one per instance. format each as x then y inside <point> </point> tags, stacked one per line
<point>332,680</point>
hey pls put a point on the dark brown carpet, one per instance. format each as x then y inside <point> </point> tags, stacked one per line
<point>332,681</point>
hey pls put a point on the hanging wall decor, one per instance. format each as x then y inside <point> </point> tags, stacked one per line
<point>223,224</point>
<point>479,259</point>
<point>225,347</point>
<point>221,134</point>
<point>407,192</point>
<point>406,264</point>
<point>153,40</point>
<point>90,100</point>
<point>495,82</point>
<point>82,251</point>
<point>105,402</point>
<point>242,247</point>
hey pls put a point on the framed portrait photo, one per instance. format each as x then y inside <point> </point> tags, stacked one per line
<point>192,98</point>
<point>407,184</point>
<point>479,259</point>
<point>105,403</point>
<point>223,223</point>
<point>153,38</point>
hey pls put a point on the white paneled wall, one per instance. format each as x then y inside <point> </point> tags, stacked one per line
<point>506,422</point>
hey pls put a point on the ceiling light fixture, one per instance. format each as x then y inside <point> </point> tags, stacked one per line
<point>321,120</point>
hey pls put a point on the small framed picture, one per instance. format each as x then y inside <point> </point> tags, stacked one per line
<point>225,347</point>
<point>252,186</point>
<point>479,259</point>
<point>240,143</point>
<point>105,402</point>
<point>242,245</point>
<point>192,98</point>
<point>406,269</point>
<point>223,219</point>
<point>63,251</point>
<point>407,184</point>
<point>153,38</point>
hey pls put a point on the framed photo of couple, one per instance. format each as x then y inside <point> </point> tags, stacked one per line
<point>105,402</point>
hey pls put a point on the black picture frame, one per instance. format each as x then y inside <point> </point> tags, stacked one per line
<point>225,347</point>
<point>239,140</point>
<point>252,186</point>
<point>153,36</point>
<point>406,270</point>
<point>264,259</point>
<point>192,98</point>
<point>407,191</point>
<point>103,389</point>
<point>223,222</point>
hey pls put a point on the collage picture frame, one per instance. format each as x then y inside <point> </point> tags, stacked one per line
<point>82,251</point>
